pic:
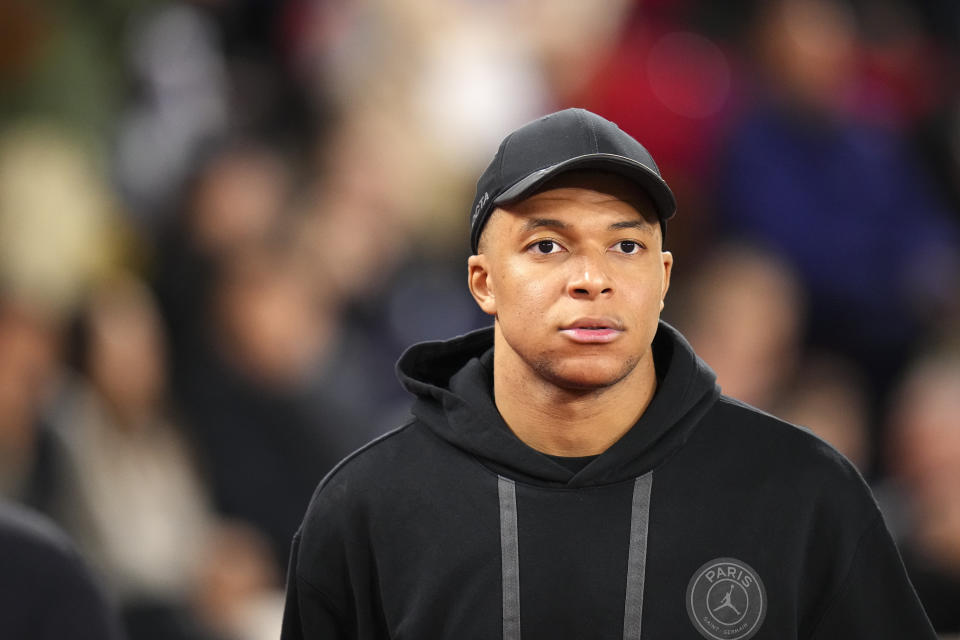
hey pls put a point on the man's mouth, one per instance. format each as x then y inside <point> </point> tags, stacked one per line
<point>593,330</point>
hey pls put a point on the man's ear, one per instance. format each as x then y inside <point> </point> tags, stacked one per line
<point>667,270</point>
<point>480,283</point>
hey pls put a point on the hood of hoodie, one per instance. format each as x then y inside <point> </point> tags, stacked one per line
<point>453,383</point>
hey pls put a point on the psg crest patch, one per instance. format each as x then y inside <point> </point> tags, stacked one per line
<point>726,600</point>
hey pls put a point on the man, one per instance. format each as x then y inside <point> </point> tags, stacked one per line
<point>574,472</point>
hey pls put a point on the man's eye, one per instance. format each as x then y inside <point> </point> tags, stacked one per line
<point>627,246</point>
<point>545,246</point>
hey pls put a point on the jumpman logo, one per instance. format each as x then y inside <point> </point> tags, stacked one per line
<point>727,602</point>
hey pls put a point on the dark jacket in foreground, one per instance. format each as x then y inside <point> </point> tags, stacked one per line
<point>708,519</point>
<point>46,590</point>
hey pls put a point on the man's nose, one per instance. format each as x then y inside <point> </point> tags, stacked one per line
<point>588,278</point>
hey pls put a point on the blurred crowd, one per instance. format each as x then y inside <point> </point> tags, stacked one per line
<point>221,222</point>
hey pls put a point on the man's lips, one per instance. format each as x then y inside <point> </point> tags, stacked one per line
<point>593,330</point>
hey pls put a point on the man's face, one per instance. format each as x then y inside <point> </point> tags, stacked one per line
<point>575,277</point>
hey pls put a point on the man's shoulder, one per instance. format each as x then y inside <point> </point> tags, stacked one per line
<point>755,429</point>
<point>379,456</point>
<point>796,474</point>
<point>779,450</point>
<point>376,470</point>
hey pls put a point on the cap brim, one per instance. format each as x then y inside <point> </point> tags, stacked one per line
<point>652,184</point>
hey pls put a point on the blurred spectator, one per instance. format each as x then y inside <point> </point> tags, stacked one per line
<point>669,82</point>
<point>239,199</point>
<point>571,41</point>
<point>55,237</point>
<point>923,499</point>
<point>265,320</point>
<point>842,201</point>
<point>29,343</point>
<point>48,591</point>
<point>828,396</point>
<point>129,490</point>
<point>361,208</point>
<point>905,74</point>
<point>179,69</point>
<point>259,354</point>
<point>459,74</point>
<point>476,76</point>
<point>260,395</point>
<point>57,224</point>
<point>382,262</point>
<point>235,199</point>
<point>742,311</point>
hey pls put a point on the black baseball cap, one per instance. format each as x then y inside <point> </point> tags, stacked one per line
<point>559,142</point>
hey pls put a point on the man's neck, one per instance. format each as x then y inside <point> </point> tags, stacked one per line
<point>569,422</point>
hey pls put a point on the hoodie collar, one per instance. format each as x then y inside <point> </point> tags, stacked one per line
<point>453,383</point>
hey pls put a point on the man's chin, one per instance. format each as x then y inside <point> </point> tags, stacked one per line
<point>585,377</point>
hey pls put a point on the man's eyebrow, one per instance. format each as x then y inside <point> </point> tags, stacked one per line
<point>630,224</point>
<point>536,223</point>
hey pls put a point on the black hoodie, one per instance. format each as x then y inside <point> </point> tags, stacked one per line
<point>708,519</point>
